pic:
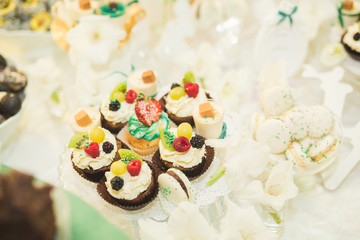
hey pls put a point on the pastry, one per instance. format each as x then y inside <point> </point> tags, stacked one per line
<point>143,82</point>
<point>297,123</point>
<point>117,108</point>
<point>256,120</point>
<point>182,98</point>
<point>175,186</point>
<point>275,134</point>
<point>131,182</point>
<point>320,120</point>
<point>181,148</point>
<point>351,41</point>
<point>143,134</point>
<point>93,152</point>
<point>84,119</point>
<point>276,100</point>
<point>323,148</point>
<point>209,118</point>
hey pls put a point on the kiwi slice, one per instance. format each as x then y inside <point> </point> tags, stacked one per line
<point>121,87</point>
<point>189,77</point>
<point>166,138</point>
<point>78,141</point>
<point>127,155</point>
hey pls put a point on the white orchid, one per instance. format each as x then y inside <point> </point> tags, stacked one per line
<point>278,188</point>
<point>94,39</point>
<point>185,222</point>
<point>243,224</point>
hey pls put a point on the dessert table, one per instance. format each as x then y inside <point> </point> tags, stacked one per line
<point>41,137</point>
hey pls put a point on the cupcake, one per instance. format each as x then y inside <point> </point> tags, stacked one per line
<point>351,41</point>
<point>84,119</point>
<point>131,182</point>
<point>182,149</point>
<point>143,134</point>
<point>117,108</point>
<point>93,152</point>
<point>143,82</point>
<point>181,99</point>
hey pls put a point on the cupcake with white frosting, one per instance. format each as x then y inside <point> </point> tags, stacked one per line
<point>351,41</point>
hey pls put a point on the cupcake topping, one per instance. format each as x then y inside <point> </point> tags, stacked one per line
<point>107,147</point>
<point>148,77</point>
<point>134,167</point>
<point>206,110</point>
<point>197,141</point>
<point>356,36</point>
<point>117,183</point>
<point>191,89</point>
<point>127,155</point>
<point>92,149</point>
<point>82,118</point>
<point>177,92</point>
<point>78,141</point>
<point>97,135</point>
<point>118,168</point>
<point>114,105</point>
<point>185,129</point>
<point>148,110</point>
<point>166,138</point>
<point>348,5</point>
<point>131,96</point>
<point>84,4</point>
<point>181,144</point>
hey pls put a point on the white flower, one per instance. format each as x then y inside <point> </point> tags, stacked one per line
<point>94,39</point>
<point>243,223</point>
<point>278,188</point>
<point>273,73</point>
<point>185,222</point>
<point>332,54</point>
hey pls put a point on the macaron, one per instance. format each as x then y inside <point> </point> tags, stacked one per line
<point>323,148</point>
<point>276,100</point>
<point>320,121</point>
<point>297,155</point>
<point>175,186</point>
<point>297,123</point>
<point>306,143</point>
<point>275,134</point>
<point>256,120</point>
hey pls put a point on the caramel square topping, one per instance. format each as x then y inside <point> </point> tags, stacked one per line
<point>348,5</point>
<point>206,110</point>
<point>84,4</point>
<point>148,77</point>
<point>82,118</point>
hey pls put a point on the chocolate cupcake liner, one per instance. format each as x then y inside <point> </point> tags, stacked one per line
<point>193,172</point>
<point>176,119</point>
<point>113,128</point>
<point>141,201</point>
<point>96,175</point>
<point>355,55</point>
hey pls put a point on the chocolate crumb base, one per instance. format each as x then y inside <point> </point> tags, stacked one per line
<point>140,201</point>
<point>355,55</point>
<point>176,119</point>
<point>193,172</point>
<point>96,175</point>
<point>113,128</point>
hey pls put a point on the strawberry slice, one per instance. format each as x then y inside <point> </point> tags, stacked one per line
<point>148,111</point>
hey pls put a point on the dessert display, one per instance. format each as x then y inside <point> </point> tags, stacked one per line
<point>309,137</point>
<point>175,186</point>
<point>209,118</point>
<point>22,203</point>
<point>144,82</point>
<point>181,99</point>
<point>84,119</point>
<point>143,134</point>
<point>181,148</point>
<point>131,183</point>
<point>351,41</point>
<point>348,12</point>
<point>12,89</point>
<point>93,152</point>
<point>117,108</point>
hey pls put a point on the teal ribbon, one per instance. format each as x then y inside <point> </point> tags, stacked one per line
<point>341,14</point>
<point>285,15</point>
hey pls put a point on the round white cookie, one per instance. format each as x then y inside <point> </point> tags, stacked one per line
<point>297,123</point>
<point>256,120</point>
<point>323,148</point>
<point>297,155</point>
<point>320,121</point>
<point>276,100</point>
<point>175,186</point>
<point>275,134</point>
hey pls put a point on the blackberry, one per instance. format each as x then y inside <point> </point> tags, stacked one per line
<point>174,85</point>
<point>114,105</point>
<point>197,141</point>
<point>117,183</point>
<point>356,36</point>
<point>107,147</point>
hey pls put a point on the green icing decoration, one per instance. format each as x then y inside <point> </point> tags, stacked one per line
<point>223,131</point>
<point>139,130</point>
<point>113,12</point>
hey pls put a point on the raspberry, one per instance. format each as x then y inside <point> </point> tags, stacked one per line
<point>181,144</point>
<point>191,89</point>
<point>134,167</point>
<point>114,105</point>
<point>131,95</point>
<point>117,183</point>
<point>92,150</point>
<point>107,147</point>
<point>197,141</point>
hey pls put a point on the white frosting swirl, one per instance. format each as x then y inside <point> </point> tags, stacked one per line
<point>349,37</point>
<point>84,161</point>
<point>121,115</point>
<point>184,106</point>
<point>187,159</point>
<point>133,186</point>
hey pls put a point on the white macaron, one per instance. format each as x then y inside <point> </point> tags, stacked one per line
<point>323,148</point>
<point>256,120</point>
<point>175,186</point>
<point>275,134</point>
<point>276,100</point>
<point>297,123</point>
<point>297,155</point>
<point>320,121</point>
